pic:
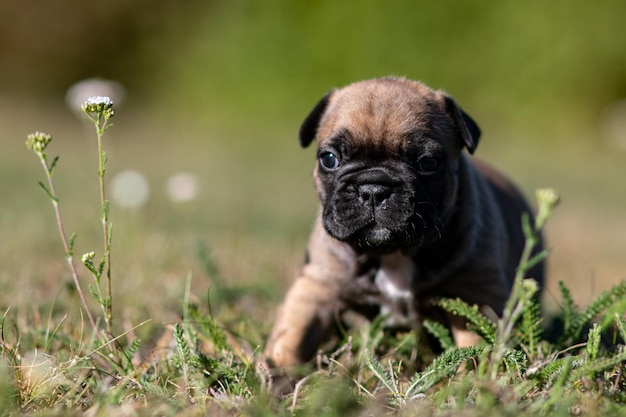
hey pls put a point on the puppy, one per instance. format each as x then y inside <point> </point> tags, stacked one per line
<point>406,217</point>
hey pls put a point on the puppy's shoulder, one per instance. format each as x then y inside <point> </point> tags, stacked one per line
<point>502,188</point>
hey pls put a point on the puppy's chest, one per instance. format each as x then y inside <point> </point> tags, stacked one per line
<point>394,280</point>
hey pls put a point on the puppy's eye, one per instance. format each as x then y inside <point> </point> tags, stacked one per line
<point>329,160</point>
<point>428,164</point>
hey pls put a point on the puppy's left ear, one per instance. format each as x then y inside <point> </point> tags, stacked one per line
<point>467,126</point>
<point>308,130</point>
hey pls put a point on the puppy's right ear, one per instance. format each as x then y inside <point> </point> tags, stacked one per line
<point>308,130</point>
<point>470,132</point>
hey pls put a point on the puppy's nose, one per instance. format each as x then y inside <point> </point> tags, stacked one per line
<point>374,195</point>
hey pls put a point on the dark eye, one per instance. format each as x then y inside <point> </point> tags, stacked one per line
<point>428,164</point>
<point>329,160</point>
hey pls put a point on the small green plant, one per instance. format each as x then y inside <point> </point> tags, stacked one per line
<point>99,110</point>
<point>38,142</point>
<point>522,301</point>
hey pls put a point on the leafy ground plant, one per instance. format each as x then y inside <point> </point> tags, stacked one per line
<point>208,362</point>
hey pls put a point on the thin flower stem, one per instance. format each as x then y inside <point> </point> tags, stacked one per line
<point>531,242</point>
<point>68,252</point>
<point>514,306</point>
<point>547,200</point>
<point>101,127</point>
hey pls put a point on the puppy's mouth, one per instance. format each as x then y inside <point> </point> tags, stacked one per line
<point>376,239</point>
<point>378,236</point>
<point>374,233</point>
<point>395,225</point>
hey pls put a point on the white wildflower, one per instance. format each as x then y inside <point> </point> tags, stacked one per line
<point>79,92</point>
<point>100,106</point>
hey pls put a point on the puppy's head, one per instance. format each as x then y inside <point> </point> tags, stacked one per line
<point>388,152</point>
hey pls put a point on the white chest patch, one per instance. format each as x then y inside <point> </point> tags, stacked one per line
<point>394,280</point>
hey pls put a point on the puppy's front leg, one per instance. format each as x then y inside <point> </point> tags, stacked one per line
<point>461,335</point>
<point>312,305</point>
<point>304,321</point>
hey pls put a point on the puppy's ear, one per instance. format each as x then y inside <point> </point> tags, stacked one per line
<point>308,130</point>
<point>470,132</point>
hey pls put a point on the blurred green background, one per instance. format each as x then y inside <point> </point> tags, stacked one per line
<point>218,89</point>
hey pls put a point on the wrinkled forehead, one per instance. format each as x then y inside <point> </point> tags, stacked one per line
<point>382,113</point>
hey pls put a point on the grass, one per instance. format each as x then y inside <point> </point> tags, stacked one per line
<point>192,313</point>
<point>211,365</point>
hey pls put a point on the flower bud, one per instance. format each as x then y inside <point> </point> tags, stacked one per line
<point>88,257</point>
<point>38,141</point>
<point>547,200</point>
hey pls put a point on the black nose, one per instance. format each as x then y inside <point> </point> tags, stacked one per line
<point>374,195</point>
